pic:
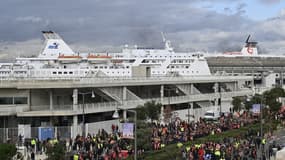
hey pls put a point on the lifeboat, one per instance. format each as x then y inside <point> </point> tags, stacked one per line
<point>98,58</point>
<point>69,58</point>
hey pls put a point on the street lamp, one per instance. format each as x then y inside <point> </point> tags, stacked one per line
<point>116,115</point>
<point>83,108</point>
<point>220,99</point>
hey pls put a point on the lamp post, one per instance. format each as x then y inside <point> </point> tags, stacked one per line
<point>220,99</point>
<point>261,116</point>
<point>116,115</point>
<point>83,108</point>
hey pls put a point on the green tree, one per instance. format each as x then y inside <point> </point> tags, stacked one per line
<point>153,110</point>
<point>237,103</point>
<point>270,98</point>
<point>7,151</point>
<point>141,112</point>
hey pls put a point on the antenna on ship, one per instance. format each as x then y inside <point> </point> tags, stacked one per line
<point>167,43</point>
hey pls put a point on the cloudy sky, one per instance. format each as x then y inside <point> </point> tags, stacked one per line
<point>106,25</point>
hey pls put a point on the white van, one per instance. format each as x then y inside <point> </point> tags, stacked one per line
<point>212,115</point>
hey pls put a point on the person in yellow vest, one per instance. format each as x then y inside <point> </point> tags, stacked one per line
<point>162,145</point>
<point>188,149</point>
<point>179,144</point>
<point>75,157</point>
<point>263,142</point>
<point>217,154</point>
<point>182,129</point>
<point>55,141</point>
<point>33,143</point>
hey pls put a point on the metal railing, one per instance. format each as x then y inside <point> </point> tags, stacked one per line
<point>111,106</point>
<point>11,134</point>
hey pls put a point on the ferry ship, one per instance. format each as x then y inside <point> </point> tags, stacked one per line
<point>57,59</point>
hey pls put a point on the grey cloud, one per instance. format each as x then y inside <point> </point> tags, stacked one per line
<point>108,24</point>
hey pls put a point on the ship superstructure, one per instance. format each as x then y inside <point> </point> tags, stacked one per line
<point>57,59</point>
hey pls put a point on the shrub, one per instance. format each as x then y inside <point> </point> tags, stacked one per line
<point>7,151</point>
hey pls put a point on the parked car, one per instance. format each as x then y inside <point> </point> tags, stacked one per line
<point>212,115</point>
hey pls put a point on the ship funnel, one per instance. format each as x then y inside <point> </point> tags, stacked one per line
<point>250,48</point>
<point>54,45</point>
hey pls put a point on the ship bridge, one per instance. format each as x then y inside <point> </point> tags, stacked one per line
<point>68,99</point>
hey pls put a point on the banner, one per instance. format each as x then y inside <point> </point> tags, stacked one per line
<point>45,133</point>
<point>24,131</point>
<point>128,130</point>
<point>256,108</point>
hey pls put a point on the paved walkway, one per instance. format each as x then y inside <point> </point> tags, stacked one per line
<point>279,137</point>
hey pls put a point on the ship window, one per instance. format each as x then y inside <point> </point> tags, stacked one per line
<point>177,66</point>
<point>111,67</point>
<point>53,72</point>
<point>172,66</point>
<point>70,72</point>
<point>167,67</point>
<point>186,66</point>
<point>20,100</point>
<point>64,66</point>
<point>59,72</point>
<point>96,67</point>
<point>197,71</point>
<point>180,61</point>
<point>128,72</point>
<point>127,66</point>
<point>64,72</point>
<point>6,100</point>
<point>105,67</point>
<point>153,61</point>
<point>101,67</point>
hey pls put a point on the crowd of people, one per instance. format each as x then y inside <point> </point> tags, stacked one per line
<point>179,132</point>
<point>111,146</point>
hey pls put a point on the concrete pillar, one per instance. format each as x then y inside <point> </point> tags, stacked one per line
<point>75,99</point>
<point>191,88</point>
<point>161,93</point>
<point>161,101</point>
<point>235,86</point>
<point>50,100</point>
<point>124,96</point>
<point>125,115</point>
<point>75,126</point>
<point>75,108</point>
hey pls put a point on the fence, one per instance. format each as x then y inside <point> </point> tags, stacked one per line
<point>10,135</point>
